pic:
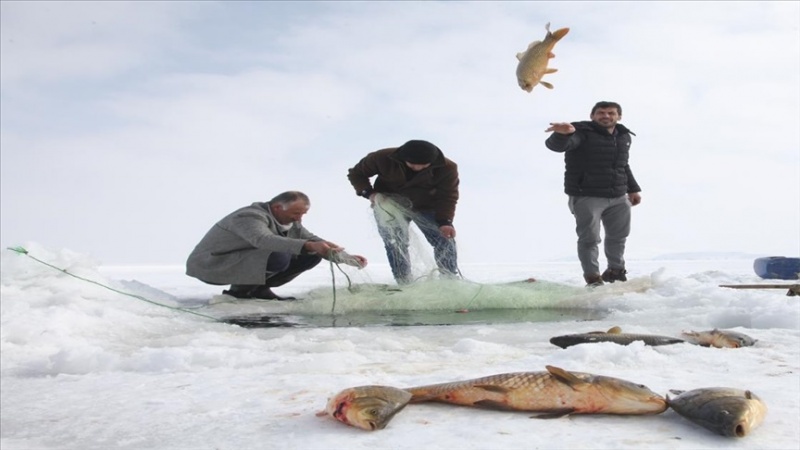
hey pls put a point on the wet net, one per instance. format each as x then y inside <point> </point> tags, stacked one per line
<point>409,235</point>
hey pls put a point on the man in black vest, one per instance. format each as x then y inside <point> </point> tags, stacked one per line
<point>600,186</point>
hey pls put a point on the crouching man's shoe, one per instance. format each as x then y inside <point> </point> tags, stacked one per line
<point>265,293</point>
<point>593,280</point>
<point>612,275</point>
<point>241,291</point>
<point>253,291</point>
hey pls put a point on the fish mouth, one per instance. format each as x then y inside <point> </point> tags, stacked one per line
<point>627,399</point>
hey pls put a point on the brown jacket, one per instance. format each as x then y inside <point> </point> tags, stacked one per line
<point>432,189</point>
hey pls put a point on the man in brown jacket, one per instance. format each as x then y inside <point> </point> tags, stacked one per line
<point>418,176</point>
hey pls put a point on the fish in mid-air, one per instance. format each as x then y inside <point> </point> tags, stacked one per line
<point>366,407</point>
<point>554,393</point>
<point>614,335</point>
<point>726,411</point>
<point>719,338</point>
<point>533,61</point>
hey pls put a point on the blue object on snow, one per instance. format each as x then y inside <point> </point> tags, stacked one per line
<point>777,267</point>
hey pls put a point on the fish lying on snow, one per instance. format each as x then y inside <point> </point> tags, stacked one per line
<point>555,393</point>
<point>614,335</point>
<point>718,338</point>
<point>532,64</point>
<point>726,411</point>
<point>367,407</point>
<point>713,338</point>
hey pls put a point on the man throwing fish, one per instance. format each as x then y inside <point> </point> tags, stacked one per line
<point>415,182</point>
<point>600,186</point>
<point>261,246</point>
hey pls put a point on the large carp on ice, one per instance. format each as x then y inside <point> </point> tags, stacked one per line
<point>554,393</point>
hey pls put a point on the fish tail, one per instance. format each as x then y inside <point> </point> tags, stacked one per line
<point>560,33</point>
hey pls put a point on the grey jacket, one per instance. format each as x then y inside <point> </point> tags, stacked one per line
<point>235,250</point>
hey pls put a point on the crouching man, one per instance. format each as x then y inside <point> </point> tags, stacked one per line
<point>262,246</point>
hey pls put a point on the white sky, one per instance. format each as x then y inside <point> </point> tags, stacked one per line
<point>129,128</point>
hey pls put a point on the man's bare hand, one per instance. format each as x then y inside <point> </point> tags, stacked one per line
<point>561,128</point>
<point>447,231</point>
<point>322,248</point>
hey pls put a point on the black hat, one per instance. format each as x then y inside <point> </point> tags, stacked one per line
<point>417,152</point>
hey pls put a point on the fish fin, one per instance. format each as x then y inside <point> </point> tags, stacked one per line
<point>493,404</point>
<point>554,413</point>
<point>550,70</point>
<point>520,55</point>
<point>546,84</point>
<point>547,27</point>
<point>748,395</point>
<point>565,377</point>
<point>491,388</point>
<point>614,330</point>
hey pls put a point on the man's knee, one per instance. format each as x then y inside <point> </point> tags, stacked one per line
<point>278,262</point>
<point>307,262</point>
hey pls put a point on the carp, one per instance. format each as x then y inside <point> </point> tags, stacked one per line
<point>719,338</point>
<point>366,407</point>
<point>725,411</point>
<point>533,61</point>
<point>614,335</point>
<point>554,393</point>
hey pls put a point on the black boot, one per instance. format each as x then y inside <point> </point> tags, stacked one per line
<point>265,293</point>
<point>593,280</point>
<point>612,275</point>
<point>241,291</point>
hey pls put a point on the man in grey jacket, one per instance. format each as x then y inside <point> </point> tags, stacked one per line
<point>600,186</point>
<point>261,246</point>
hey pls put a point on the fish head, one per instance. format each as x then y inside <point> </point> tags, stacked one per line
<point>738,418</point>
<point>719,338</point>
<point>625,397</point>
<point>732,339</point>
<point>725,411</point>
<point>367,407</point>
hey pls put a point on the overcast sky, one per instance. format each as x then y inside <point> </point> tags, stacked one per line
<point>129,128</point>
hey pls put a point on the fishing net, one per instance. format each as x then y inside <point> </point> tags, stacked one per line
<point>398,224</point>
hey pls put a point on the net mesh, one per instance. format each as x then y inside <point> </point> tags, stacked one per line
<point>399,223</point>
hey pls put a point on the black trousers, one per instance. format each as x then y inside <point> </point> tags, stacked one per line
<point>285,267</point>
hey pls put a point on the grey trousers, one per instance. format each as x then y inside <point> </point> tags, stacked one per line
<point>615,216</point>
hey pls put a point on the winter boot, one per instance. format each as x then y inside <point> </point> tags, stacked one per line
<point>593,280</point>
<point>612,275</point>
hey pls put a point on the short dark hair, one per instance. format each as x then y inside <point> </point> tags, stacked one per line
<point>607,105</point>
<point>285,198</point>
